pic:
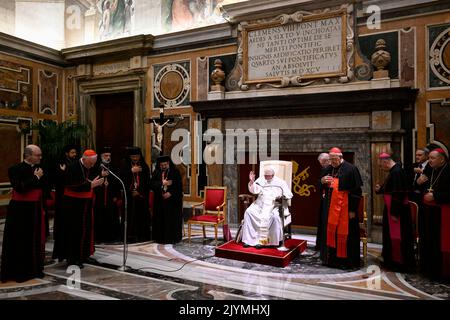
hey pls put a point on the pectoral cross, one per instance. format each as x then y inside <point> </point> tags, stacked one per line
<point>430,189</point>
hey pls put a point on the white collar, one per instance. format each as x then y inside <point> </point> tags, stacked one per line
<point>28,163</point>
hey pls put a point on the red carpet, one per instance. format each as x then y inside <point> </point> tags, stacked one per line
<point>269,255</point>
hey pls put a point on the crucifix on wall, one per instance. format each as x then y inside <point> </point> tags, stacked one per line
<point>158,124</point>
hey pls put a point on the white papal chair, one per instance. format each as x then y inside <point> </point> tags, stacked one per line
<point>283,170</point>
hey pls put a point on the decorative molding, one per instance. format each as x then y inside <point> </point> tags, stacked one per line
<point>439,57</point>
<point>396,99</point>
<point>16,86</point>
<point>48,92</point>
<point>19,47</point>
<point>202,78</point>
<point>401,9</point>
<point>382,120</point>
<point>114,49</point>
<point>266,46</point>
<point>111,68</point>
<point>261,9</point>
<point>172,84</point>
<point>191,38</point>
<point>87,87</point>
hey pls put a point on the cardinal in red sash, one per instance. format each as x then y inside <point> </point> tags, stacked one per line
<point>78,201</point>
<point>342,185</point>
<point>23,248</point>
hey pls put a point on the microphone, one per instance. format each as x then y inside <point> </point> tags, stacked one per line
<point>124,266</point>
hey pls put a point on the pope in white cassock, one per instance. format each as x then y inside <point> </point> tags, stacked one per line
<point>262,222</point>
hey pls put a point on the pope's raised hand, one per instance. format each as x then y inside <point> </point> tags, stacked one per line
<point>252,176</point>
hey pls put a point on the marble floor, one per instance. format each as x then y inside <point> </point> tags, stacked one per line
<point>191,272</point>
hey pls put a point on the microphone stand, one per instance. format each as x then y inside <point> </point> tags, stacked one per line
<point>124,266</point>
<point>281,213</point>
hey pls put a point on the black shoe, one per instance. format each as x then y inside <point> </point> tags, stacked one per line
<point>258,246</point>
<point>246,245</point>
<point>91,260</point>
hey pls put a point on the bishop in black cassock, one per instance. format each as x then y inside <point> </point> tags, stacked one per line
<point>168,206</point>
<point>434,249</point>
<point>69,157</point>
<point>398,238</point>
<point>135,173</point>
<point>106,211</point>
<point>23,249</point>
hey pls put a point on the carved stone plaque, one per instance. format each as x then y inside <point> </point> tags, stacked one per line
<point>291,48</point>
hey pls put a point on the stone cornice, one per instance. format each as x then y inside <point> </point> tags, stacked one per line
<point>110,50</point>
<point>194,38</point>
<point>260,9</point>
<point>396,99</point>
<point>394,10</point>
<point>26,49</point>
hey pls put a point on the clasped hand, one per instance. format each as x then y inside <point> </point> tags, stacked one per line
<point>97,182</point>
<point>38,172</point>
<point>422,179</point>
<point>136,169</point>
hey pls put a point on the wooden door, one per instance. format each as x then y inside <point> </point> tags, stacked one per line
<point>114,123</point>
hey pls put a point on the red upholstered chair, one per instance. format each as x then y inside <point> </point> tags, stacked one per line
<point>214,211</point>
<point>362,218</point>
<point>414,209</point>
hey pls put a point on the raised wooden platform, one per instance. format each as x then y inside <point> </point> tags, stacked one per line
<point>266,255</point>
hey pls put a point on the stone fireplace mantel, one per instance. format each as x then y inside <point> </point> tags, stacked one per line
<point>394,99</point>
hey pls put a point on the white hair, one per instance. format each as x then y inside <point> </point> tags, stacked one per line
<point>269,169</point>
<point>323,155</point>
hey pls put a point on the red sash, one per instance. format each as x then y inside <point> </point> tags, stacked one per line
<point>79,194</point>
<point>445,235</point>
<point>34,195</point>
<point>394,231</point>
<point>338,220</point>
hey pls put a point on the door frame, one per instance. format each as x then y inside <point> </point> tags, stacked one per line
<point>87,88</point>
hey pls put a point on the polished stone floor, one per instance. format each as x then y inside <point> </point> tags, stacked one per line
<point>191,272</point>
